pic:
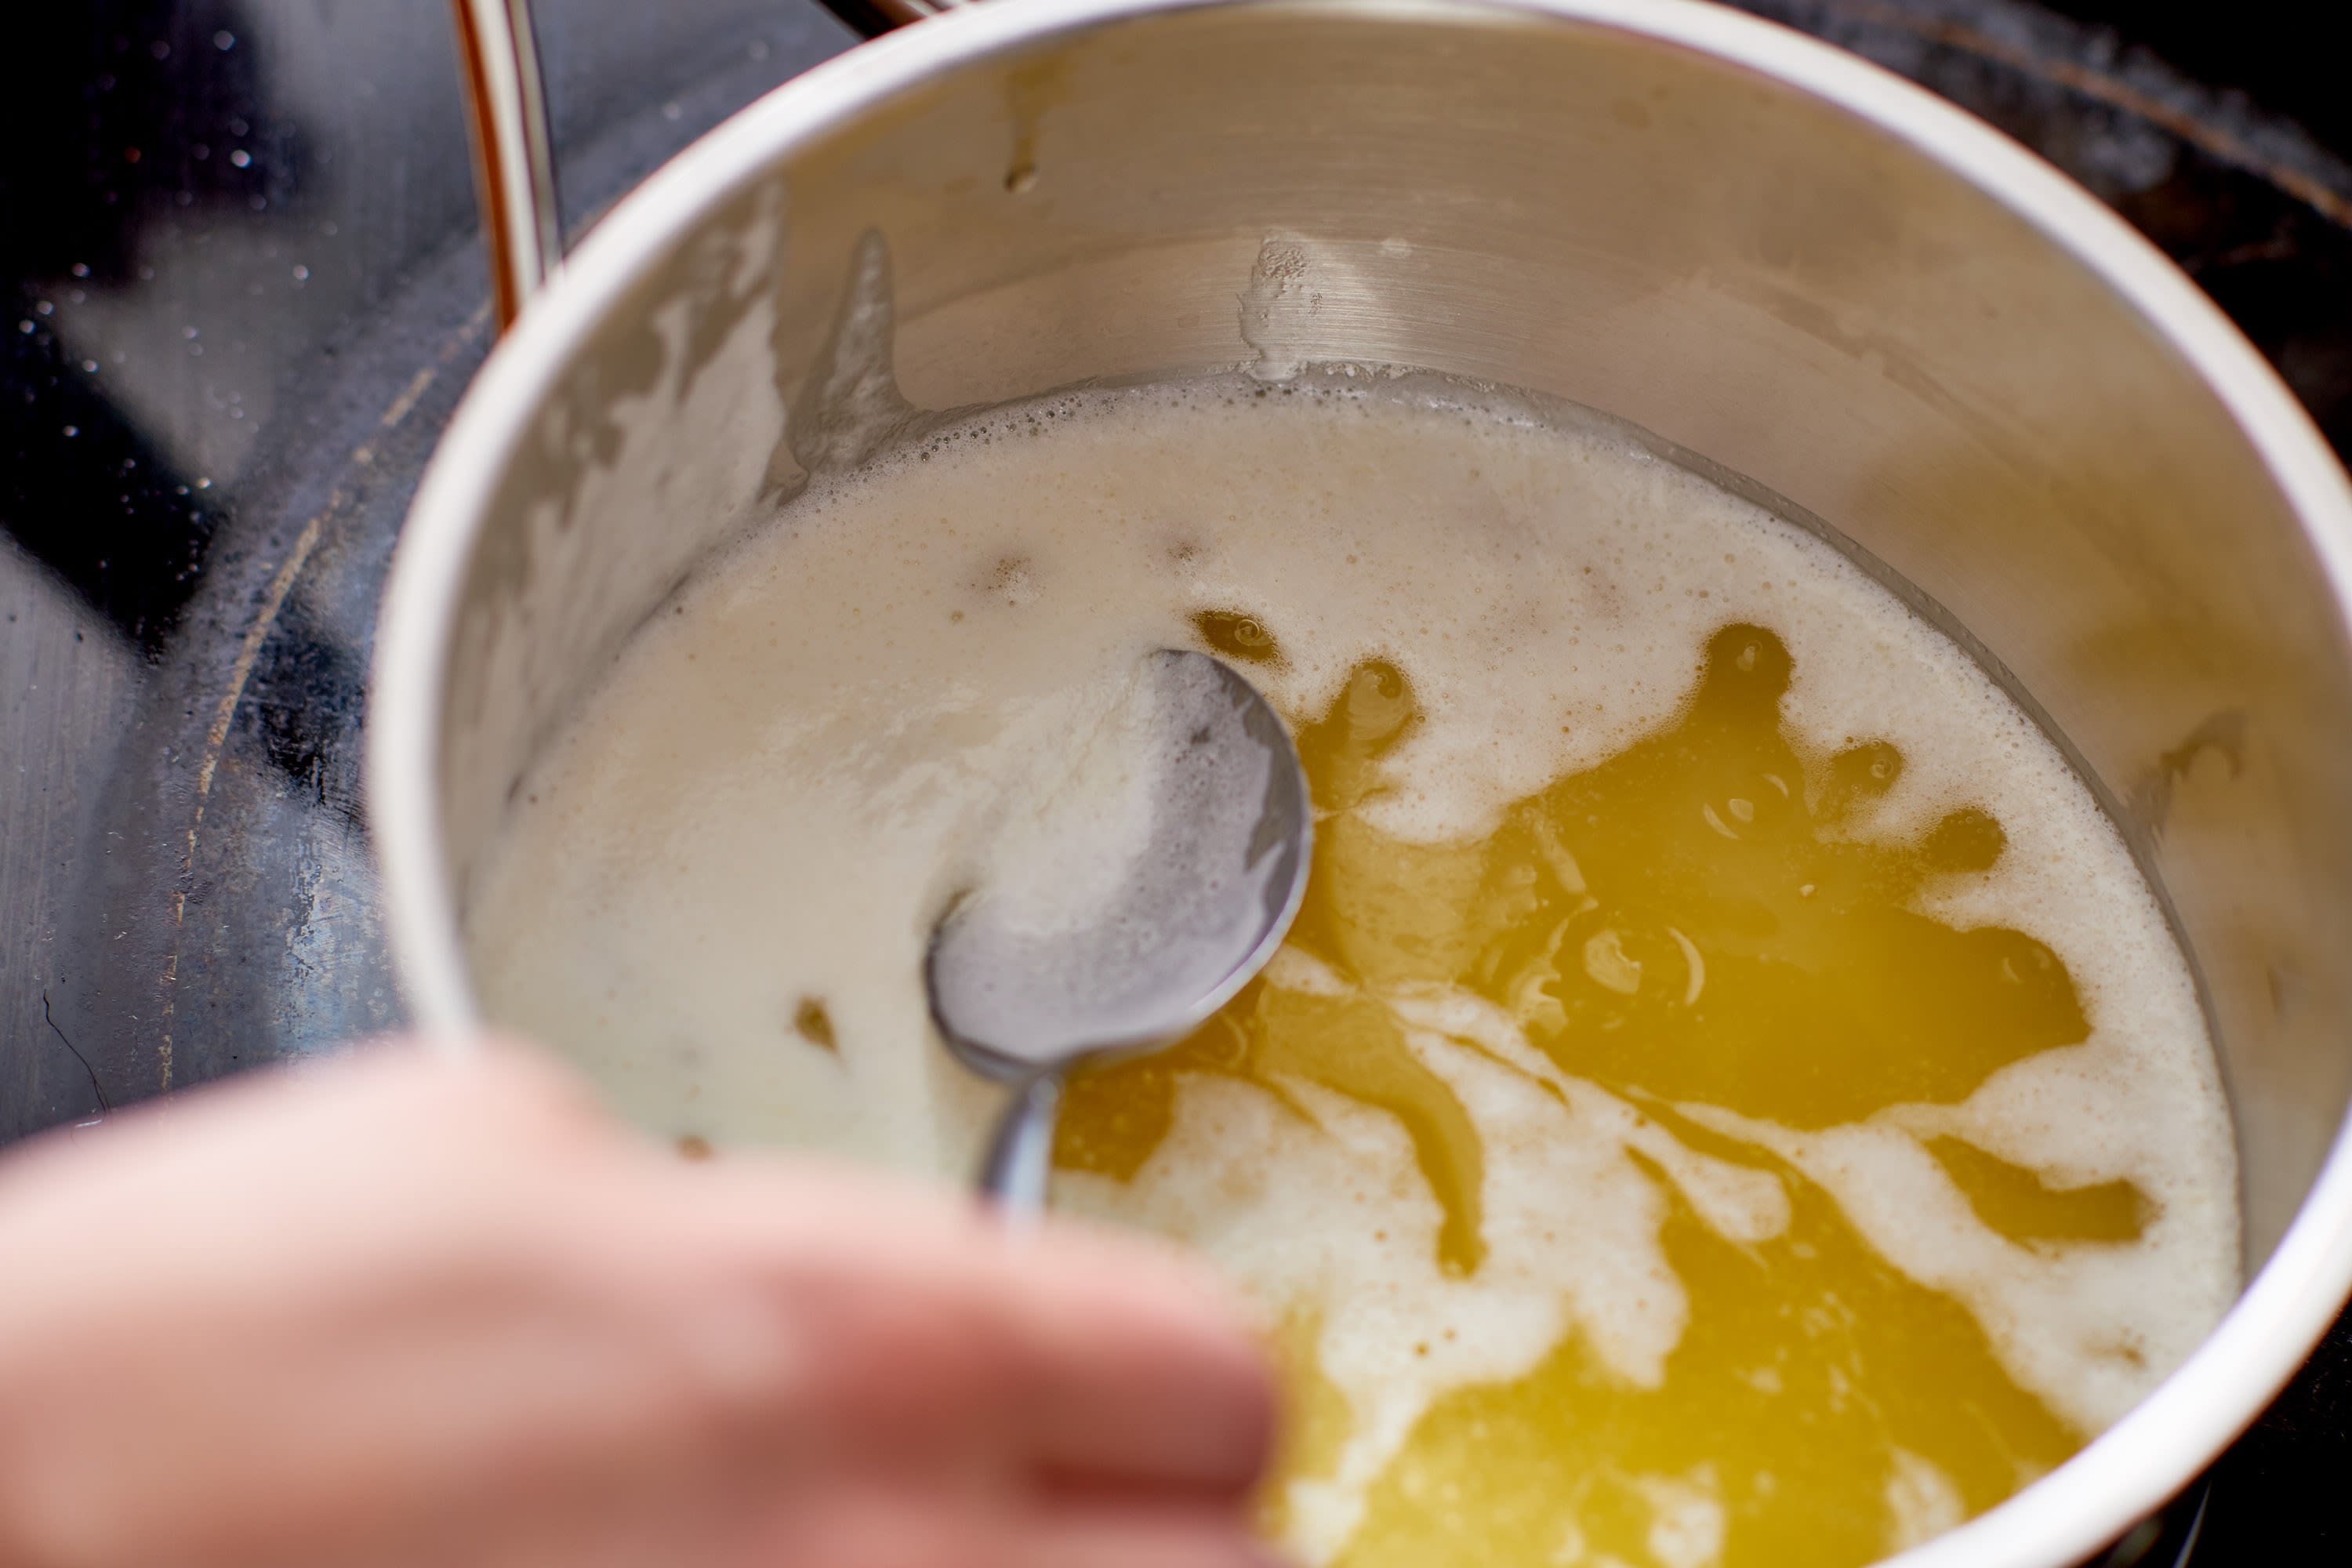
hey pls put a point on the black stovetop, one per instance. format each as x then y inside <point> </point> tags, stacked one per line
<point>239,294</point>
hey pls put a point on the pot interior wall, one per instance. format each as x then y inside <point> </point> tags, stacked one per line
<point>1759,276</point>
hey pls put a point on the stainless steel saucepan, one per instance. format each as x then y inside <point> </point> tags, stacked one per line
<point>1755,245</point>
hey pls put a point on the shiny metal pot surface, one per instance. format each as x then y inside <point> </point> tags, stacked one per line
<point>1758,248</point>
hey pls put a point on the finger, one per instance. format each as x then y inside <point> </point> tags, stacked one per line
<point>1147,1372</point>
<point>915,1527</point>
<point>1070,1351</point>
<point>1195,1537</point>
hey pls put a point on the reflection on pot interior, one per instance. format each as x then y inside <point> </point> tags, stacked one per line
<point>1730,1097</point>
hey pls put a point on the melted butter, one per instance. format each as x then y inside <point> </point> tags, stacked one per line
<point>1573,1265</point>
<point>1237,636</point>
<point>1686,924</point>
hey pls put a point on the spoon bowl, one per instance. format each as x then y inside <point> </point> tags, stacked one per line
<point>1144,900</point>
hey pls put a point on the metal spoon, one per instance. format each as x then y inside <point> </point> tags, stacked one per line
<point>1025,987</point>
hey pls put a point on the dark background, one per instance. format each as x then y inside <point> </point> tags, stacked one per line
<point>240,293</point>
<point>2283,54</point>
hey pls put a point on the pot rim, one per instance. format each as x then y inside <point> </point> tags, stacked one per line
<point>2121,1475</point>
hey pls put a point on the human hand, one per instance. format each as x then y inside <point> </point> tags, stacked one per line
<point>400,1311</point>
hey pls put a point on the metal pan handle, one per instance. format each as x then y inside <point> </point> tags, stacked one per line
<point>514,148</point>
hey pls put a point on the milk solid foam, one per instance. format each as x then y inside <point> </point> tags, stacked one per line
<point>1528,1323</point>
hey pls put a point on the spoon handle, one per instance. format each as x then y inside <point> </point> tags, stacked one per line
<point>1020,1161</point>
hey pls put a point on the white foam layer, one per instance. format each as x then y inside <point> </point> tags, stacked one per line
<point>780,788</point>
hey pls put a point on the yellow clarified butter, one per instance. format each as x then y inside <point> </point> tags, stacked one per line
<point>1727,1097</point>
<point>1676,925</point>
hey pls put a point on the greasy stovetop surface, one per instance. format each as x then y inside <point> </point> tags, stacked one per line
<point>240,294</point>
